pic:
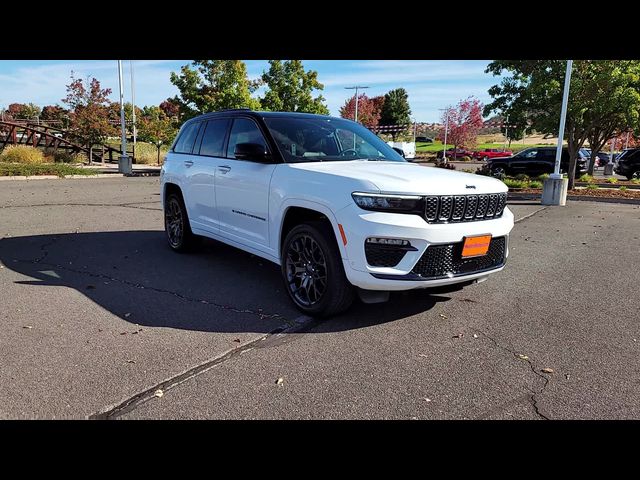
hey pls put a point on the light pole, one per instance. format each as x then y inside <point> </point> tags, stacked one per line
<point>356,88</point>
<point>133,101</point>
<point>446,129</point>
<point>506,134</point>
<point>554,191</point>
<point>124,164</point>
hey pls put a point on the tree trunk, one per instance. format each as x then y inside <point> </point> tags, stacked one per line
<point>90,154</point>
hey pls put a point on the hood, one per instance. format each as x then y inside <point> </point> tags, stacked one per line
<point>409,178</point>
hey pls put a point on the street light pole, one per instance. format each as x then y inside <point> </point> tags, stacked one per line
<point>446,129</point>
<point>356,88</point>
<point>506,134</point>
<point>133,101</point>
<point>124,165</point>
<point>554,191</point>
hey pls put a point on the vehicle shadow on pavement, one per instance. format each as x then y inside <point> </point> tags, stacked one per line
<point>134,275</point>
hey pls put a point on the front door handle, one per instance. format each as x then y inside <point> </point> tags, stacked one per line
<point>188,163</point>
<point>224,169</point>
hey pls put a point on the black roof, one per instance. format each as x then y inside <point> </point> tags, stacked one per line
<point>254,113</point>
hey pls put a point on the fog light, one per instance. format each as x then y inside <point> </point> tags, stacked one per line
<point>388,241</point>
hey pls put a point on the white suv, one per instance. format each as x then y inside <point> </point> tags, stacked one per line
<point>337,208</point>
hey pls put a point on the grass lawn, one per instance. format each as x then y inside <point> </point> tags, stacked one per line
<point>437,146</point>
<point>146,153</point>
<point>29,170</point>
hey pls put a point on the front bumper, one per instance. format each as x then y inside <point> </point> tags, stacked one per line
<point>359,224</point>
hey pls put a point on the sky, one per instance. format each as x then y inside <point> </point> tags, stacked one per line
<point>431,84</point>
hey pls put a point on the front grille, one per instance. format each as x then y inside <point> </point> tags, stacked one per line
<point>464,208</point>
<point>383,255</point>
<point>443,261</point>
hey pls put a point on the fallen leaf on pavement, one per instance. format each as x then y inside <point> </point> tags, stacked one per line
<point>427,399</point>
<point>28,327</point>
<point>523,357</point>
<point>280,381</point>
<point>158,393</point>
<point>443,316</point>
<point>475,335</point>
<point>566,375</point>
<point>131,361</point>
<point>123,333</point>
<point>237,340</point>
<point>547,370</point>
<point>459,335</point>
<point>423,355</point>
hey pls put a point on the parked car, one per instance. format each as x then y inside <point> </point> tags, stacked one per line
<point>454,153</point>
<point>336,207</point>
<point>424,139</point>
<point>536,161</point>
<point>628,163</point>
<point>488,153</point>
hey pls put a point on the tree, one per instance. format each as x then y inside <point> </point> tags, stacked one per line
<point>396,110</point>
<point>171,108</point>
<point>463,123</point>
<point>603,93</point>
<point>290,88</point>
<point>55,113</point>
<point>369,109</point>
<point>22,111</point>
<point>156,127</point>
<point>89,112</point>
<point>211,85</point>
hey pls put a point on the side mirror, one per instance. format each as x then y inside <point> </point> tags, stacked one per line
<point>399,150</point>
<point>252,151</point>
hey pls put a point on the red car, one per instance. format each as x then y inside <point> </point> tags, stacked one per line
<point>488,153</point>
<point>453,153</point>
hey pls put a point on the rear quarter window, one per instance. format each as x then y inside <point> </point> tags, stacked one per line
<point>187,138</point>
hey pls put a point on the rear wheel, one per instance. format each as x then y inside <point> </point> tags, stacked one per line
<point>635,175</point>
<point>176,225</point>
<point>312,270</point>
<point>485,158</point>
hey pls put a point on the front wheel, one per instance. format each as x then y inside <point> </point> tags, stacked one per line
<point>498,172</point>
<point>634,176</point>
<point>312,270</point>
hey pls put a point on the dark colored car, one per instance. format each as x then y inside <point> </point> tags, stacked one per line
<point>536,161</point>
<point>628,163</point>
<point>424,139</point>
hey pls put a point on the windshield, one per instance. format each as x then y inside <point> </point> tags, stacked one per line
<point>327,139</point>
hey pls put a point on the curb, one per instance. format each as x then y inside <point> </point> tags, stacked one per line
<point>580,198</point>
<point>99,175</point>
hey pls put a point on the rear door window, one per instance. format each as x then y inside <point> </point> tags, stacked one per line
<point>213,138</point>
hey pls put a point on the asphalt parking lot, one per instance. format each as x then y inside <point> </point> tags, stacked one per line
<point>99,319</point>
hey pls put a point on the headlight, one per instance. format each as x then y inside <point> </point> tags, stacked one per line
<point>387,203</point>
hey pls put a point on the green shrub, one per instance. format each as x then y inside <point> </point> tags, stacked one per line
<point>62,156</point>
<point>147,154</point>
<point>522,177</point>
<point>543,177</point>
<point>535,184</point>
<point>611,180</point>
<point>466,170</point>
<point>22,154</point>
<point>635,181</point>
<point>623,188</point>
<point>512,183</point>
<point>31,169</point>
<point>592,186</point>
<point>587,178</point>
<point>466,158</point>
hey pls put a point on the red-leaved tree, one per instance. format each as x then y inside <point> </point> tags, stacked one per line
<point>464,122</point>
<point>89,112</point>
<point>368,109</point>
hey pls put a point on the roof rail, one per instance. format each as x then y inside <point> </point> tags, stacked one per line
<point>232,109</point>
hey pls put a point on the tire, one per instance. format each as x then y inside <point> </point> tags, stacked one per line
<point>485,158</point>
<point>313,247</point>
<point>176,225</point>
<point>635,175</point>
<point>498,171</point>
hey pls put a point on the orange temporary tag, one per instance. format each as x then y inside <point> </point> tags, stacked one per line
<point>476,246</point>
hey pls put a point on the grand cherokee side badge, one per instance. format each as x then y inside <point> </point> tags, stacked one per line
<point>470,186</point>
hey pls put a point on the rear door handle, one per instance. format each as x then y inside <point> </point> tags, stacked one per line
<point>224,169</point>
<point>188,163</point>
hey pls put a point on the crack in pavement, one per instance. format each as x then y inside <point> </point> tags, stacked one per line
<point>122,205</point>
<point>45,252</point>
<point>131,403</point>
<point>533,397</point>
<point>529,215</point>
